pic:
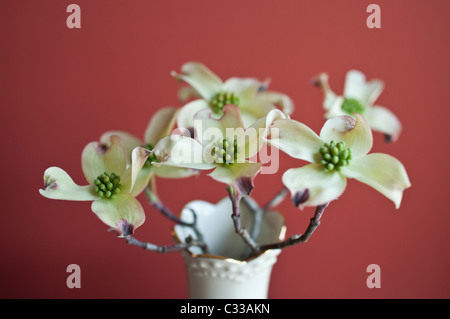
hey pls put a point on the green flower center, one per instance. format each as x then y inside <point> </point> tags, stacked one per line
<point>107,185</point>
<point>225,151</point>
<point>334,155</point>
<point>352,106</point>
<point>151,158</point>
<point>221,99</point>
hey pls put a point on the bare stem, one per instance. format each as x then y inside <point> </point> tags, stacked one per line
<point>236,216</point>
<point>165,249</point>
<point>156,202</point>
<point>259,215</point>
<point>278,198</point>
<point>299,238</point>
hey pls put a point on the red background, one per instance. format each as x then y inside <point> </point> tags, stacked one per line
<point>62,88</point>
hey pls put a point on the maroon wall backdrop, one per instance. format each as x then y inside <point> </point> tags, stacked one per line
<point>61,88</point>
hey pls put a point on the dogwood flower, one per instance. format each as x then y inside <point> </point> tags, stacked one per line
<point>110,187</point>
<point>359,97</point>
<point>340,152</point>
<point>248,93</point>
<point>221,144</point>
<point>160,126</point>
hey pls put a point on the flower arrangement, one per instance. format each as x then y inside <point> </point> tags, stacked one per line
<point>223,129</point>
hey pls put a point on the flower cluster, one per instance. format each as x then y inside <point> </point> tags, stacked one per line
<point>221,129</point>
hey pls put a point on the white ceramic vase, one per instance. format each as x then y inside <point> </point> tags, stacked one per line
<point>223,272</point>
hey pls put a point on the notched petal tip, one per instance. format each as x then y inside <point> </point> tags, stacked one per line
<point>391,138</point>
<point>50,183</point>
<point>125,228</point>
<point>102,148</point>
<point>177,76</point>
<point>300,197</point>
<point>320,81</point>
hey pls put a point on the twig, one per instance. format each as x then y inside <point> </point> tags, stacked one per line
<point>259,215</point>
<point>299,238</point>
<point>156,202</point>
<point>165,249</point>
<point>278,198</point>
<point>236,216</point>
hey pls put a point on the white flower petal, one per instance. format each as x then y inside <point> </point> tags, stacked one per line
<point>357,88</point>
<point>186,114</point>
<point>383,120</point>
<point>311,186</point>
<point>209,129</point>
<point>180,151</point>
<point>174,172</point>
<point>248,119</point>
<point>244,88</point>
<point>160,125</point>
<point>129,141</point>
<point>187,92</point>
<point>330,97</point>
<point>335,108</point>
<point>295,139</point>
<point>257,107</point>
<point>355,133</point>
<point>383,172</point>
<point>138,158</point>
<point>202,79</point>
<point>250,143</point>
<point>98,158</point>
<point>59,185</point>
<point>230,174</point>
<point>142,180</point>
<point>113,212</point>
<point>280,100</point>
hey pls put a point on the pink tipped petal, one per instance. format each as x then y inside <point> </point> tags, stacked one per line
<point>98,158</point>
<point>233,174</point>
<point>59,185</point>
<point>311,186</point>
<point>160,125</point>
<point>129,141</point>
<point>383,120</point>
<point>356,133</point>
<point>202,79</point>
<point>186,114</point>
<point>383,172</point>
<point>295,139</point>
<point>357,88</point>
<point>120,211</point>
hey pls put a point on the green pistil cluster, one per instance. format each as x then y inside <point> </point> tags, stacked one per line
<point>334,155</point>
<point>151,158</point>
<point>107,185</point>
<point>223,98</point>
<point>352,106</point>
<point>225,151</point>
